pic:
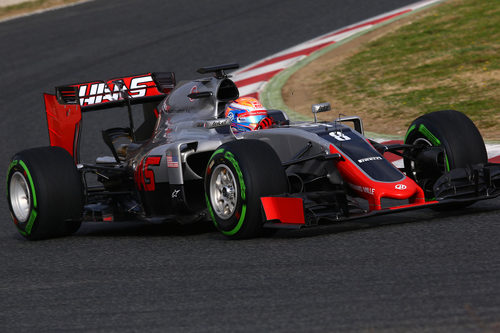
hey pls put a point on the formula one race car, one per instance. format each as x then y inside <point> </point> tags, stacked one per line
<point>184,163</point>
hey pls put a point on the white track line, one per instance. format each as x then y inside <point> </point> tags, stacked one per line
<point>262,66</point>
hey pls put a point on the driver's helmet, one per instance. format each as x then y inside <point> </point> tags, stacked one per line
<point>247,114</point>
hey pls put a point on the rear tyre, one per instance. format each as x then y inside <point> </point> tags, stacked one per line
<point>45,193</point>
<point>451,130</point>
<point>239,173</point>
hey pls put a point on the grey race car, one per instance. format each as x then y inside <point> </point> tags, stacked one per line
<point>184,163</point>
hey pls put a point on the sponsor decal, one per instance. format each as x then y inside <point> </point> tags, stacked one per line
<point>400,187</point>
<point>172,160</point>
<point>368,159</point>
<point>193,91</point>
<point>145,177</point>
<point>217,123</point>
<point>101,92</point>
<point>363,189</point>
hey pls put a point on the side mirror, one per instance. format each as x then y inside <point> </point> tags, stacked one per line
<point>358,124</point>
<point>321,107</point>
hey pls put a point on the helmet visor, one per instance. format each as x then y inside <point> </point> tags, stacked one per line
<point>251,119</point>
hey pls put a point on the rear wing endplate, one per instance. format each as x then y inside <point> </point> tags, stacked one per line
<point>64,109</point>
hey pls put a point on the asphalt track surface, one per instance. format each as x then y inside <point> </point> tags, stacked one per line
<point>413,271</point>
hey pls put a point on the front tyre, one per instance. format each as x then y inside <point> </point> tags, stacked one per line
<point>239,173</point>
<point>451,130</point>
<point>44,193</point>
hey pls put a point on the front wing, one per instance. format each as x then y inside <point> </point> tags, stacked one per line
<point>458,187</point>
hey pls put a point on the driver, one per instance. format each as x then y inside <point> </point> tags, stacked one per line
<point>247,114</point>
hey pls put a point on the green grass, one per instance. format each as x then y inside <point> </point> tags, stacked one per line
<point>30,6</point>
<point>23,5</point>
<point>447,59</point>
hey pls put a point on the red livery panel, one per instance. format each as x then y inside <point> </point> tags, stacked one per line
<point>374,191</point>
<point>64,123</point>
<point>286,210</point>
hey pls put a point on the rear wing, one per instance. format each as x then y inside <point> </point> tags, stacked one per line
<point>104,94</point>
<point>64,109</point>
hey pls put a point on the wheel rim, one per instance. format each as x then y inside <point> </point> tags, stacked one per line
<point>223,191</point>
<point>421,142</point>
<point>20,197</point>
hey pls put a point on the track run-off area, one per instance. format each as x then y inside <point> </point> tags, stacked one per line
<point>424,270</point>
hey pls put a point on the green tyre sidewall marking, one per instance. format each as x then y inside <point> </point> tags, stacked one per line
<point>240,222</point>
<point>211,211</point>
<point>33,214</point>
<point>218,151</point>
<point>435,141</point>
<point>412,127</point>
<point>230,157</point>
<point>428,134</point>
<point>32,185</point>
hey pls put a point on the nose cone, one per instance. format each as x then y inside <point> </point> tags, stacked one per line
<point>373,190</point>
